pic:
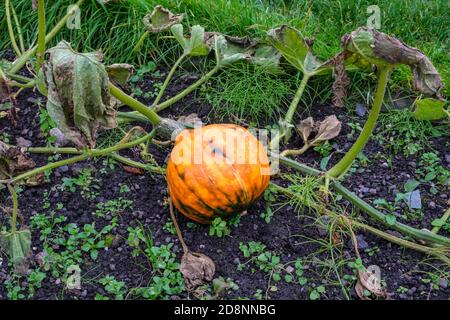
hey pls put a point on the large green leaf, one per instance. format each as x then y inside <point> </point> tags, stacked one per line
<point>161,19</point>
<point>193,46</point>
<point>78,96</point>
<point>297,50</point>
<point>429,109</point>
<point>17,245</point>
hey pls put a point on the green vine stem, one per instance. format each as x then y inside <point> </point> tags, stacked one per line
<point>10,28</point>
<point>371,211</point>
<point>41,34</point>
<point>338,170</point>
<point>87,153</point>
<point>286,133</point>
<point>19,63</point>
<point>19,29</point>
<point>168,78</point>
<point>13,193</point>
<point>436,252</point>
<point>140,41</point>
<point>444,218</point>
<point>135,104</point>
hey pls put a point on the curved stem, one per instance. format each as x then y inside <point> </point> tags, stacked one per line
<point>41,34</point>
<point>87,153</point>
<point>342,166</point>
<point>361,204</point>
<point>10,28</point>
<point>13,193</point>
<point>444,218</point>
<point>186,91</point>
<point>295,152</point>
<point>19,63</point>
<point>168,78</point>
<point>135,104</point>
<point>177,227</point>
<point>140,41</point>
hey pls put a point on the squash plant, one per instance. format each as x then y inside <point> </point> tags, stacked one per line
<point>80,111</point>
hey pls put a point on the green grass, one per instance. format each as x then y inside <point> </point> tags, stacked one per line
<point>242,91</point>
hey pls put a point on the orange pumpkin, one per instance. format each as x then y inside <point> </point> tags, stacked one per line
<point>216,171</point>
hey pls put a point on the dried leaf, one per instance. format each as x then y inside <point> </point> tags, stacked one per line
<point>326,130</point>
<point>305,127</point>
<point>12,160</point>
<point>193,46</point>
<point>382,50</point>
<point>120,72</point>
<point>78,96</point>
<point>191,119</point>
<point>161,19</point>
<point>18,247</point>
<point>133,170</point>
<point>371,282</point>
<point>197,269</point>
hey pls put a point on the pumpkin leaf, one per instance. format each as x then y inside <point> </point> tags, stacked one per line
<point>193,46</point>
<point>161,19</point>
<point>197,269</point>
<point>305,127</point>
<point>383,51</point>
<point>296,50</point>
<point>17,245</point>
<point>429,109</point>
<point>120,72</point>
<point>326,130</point>
<point>79,101</point>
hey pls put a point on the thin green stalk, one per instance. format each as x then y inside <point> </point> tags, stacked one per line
<point>168,78</point>
<point>126,117</point>
<point>19,63</point>
<point>186,91</point>
<point>19,29</point>
<point>444,218</point>
<point>286,133</point>
<point>143,166</point>
<point>10,28</point>
<point>13,193</point>
<point>41,34</point>
<point>342,166</point>
<point>140,41</point>
<point>371,211</point>
<point>135,104</point>
<point>89,153</point>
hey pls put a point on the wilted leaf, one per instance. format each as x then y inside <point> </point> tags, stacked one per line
<point>370,282</point>
<point>197,269</point>
<point>326,130</point>
<point>297,50</point>
<point>305,127</point>
<point>133,170</point>
<point>18,247</point>
<point>161,19</point>
<point>193,46</point>
<point>382,50</point>
<point>191,119</point>
<point>429,109</point>
<point>5,91</point>
<point>120,72</point>
<point>78,96</point>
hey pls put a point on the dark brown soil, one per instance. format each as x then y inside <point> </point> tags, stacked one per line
<point>400,267</point>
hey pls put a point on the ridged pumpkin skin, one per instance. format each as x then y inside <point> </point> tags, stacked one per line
<point>218,173</point>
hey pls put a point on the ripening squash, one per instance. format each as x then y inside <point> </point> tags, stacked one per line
<point>216,171</point>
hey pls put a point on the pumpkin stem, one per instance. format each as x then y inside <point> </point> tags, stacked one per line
<point>177,227</point>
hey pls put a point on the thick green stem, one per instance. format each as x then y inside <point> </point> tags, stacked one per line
<point>10,28</point>
<point>168,78</point>
<point>19,63</point>
<point>135,104</point>
<point>12,191</point>
<point>371,211</point>
<point>89,153</point>
<point>342,166</point>
<point>286,130</point>
<point>186,91</point>
<point>41,34</point>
